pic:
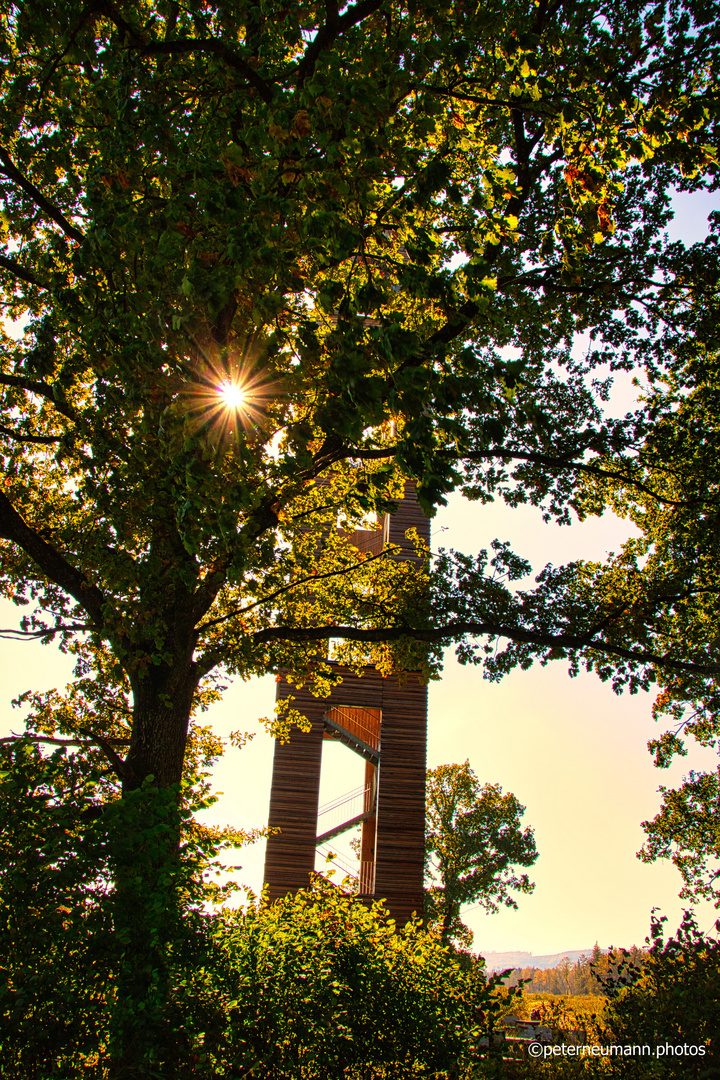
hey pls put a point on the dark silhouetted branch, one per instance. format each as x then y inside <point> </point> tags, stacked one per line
<point>51,562</point>
<point>457,630</point>
<point>13,173</point>
<point>19,271</point>
<point>215,48</point>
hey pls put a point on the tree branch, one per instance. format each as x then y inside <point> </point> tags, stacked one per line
<point>541,459</point>
<point>20,272</point>
<point>106,745</point>
<point>52,563</point>
<point>332,29</point>
<point>51,631</point>
<point>124,772</point>
<point>56,742</point>
<point>21,437</point>
<point>264,518</point>
<point>455,630</point>
<point>346,570</point>
<point>551,462</point>
<point>33,386</point>
<point>216,48</point>
<point>14,174</point>
<point>110,10</point>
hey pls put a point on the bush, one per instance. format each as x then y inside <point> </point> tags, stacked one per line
<point>56,969</point>
<point>319,985</point>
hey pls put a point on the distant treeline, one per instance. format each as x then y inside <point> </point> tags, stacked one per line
<point>585,976</point>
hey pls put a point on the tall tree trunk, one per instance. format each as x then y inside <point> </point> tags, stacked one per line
<point>163,698</point>
<point>145,843</point>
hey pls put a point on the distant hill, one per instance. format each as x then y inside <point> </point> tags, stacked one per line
<point>498,961</point>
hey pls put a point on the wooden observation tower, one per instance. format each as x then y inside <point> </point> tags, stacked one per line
<point>386,724</point>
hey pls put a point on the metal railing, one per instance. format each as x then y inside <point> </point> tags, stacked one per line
<point>345,812</point>
<point>343,807</point>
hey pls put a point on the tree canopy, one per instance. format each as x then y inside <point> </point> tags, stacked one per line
<point>271,262</point>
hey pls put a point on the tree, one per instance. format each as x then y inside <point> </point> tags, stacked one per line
<point>271,263</point>
<point>660,591</point>
<point>679,555</point>
<point>474,842</point>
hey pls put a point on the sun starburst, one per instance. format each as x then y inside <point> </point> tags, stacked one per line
<point>233,395</point>
<point>229,395</point>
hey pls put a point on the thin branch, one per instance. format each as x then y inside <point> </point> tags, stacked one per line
<point>23,437</point>
<point>580,466</point>
<point>55,742</point>
<point>525,105</point>
<point>13,173</point>
<point>105,744</point>
<point>51,631</point>
<point>264,518</point>
<point>541,459</point>
<point>346,570</point>
<point>42,739</point>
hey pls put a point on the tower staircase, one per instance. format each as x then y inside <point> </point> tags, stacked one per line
<point>356,727</point>
<point>361,800</point>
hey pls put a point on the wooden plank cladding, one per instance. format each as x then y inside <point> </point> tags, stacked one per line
<point>294,797</point>
<point>400,842</point>
<point>407,516</point>
<point>367,540</point>
<point>400,829</point>
<point>385,714</point>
